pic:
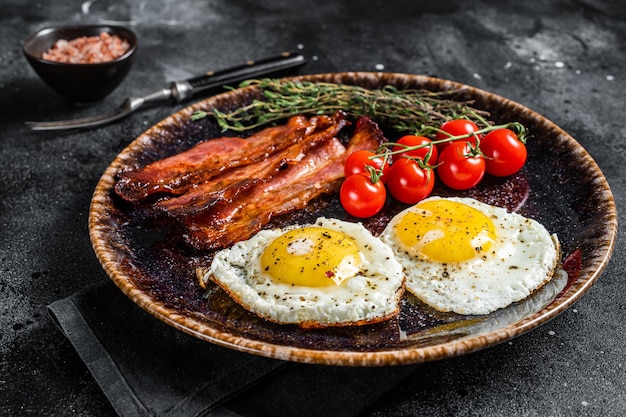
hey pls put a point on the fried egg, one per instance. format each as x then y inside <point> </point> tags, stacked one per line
<point>330,273</point>
<point>468,257</point>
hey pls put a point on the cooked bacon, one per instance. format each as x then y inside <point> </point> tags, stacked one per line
<point>179,173</point>
<point>319,172</point>
<point>247,214</point>
<point>228,185</point>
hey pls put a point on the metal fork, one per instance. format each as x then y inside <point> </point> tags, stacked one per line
<point>180,91</point>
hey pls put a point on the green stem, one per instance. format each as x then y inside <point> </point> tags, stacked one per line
<point>384,149</point>
<point>408,110</point>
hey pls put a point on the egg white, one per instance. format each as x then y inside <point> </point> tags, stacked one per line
<point>522,259</point>
<point>371,295</point>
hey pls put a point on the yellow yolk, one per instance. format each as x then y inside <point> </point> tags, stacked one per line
<point>311,257</point>
<point>445,231</point>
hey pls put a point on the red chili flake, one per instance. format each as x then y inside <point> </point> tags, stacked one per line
<point>330,274</point>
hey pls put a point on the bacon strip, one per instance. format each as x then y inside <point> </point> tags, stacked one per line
<point>228,185</point>
<point>319,172</point>
<point>179,173</point>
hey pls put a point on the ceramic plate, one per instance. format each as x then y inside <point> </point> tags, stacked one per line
<point>560,186</point>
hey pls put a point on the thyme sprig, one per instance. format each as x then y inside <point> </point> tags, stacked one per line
<point>410,110</point>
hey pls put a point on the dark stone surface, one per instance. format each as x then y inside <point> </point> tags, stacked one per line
<point>562,59</point>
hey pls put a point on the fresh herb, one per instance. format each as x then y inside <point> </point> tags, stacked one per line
<point>411,110</point>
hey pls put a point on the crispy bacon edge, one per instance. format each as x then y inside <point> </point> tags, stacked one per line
<point>319,172</point>
<point>178,173</point>
<point>228,185</point>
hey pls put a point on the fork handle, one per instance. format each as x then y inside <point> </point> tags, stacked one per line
<point>182,90</point>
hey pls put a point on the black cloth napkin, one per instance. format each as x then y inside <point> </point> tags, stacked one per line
<point>147,368</point>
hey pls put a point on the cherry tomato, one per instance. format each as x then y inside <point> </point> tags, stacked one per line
<point>455,127</point>
<point>504,153</point>
<point>408,182</point>
<point>410,140</point>
<point>360,198</point>
<point>458,168</point>
<point>356,162</point>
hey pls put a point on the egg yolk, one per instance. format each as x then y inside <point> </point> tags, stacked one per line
<point>311,257</point>
<point>445,231</point>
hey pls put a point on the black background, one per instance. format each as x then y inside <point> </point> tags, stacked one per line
<point>563,59</point>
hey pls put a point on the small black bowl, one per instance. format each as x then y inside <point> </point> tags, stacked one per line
<point>79,83</point>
